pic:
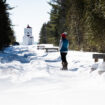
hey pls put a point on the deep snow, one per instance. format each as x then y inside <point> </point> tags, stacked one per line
<point>33,77</point>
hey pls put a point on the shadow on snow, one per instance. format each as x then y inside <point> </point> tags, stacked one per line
<point>15,54</point>
<point>55,60</point>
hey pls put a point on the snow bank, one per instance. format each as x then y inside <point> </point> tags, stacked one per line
<point>33,77</point>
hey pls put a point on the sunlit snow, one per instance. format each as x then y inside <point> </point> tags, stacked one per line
<point>33,77</point>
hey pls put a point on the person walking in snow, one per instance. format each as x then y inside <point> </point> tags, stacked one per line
<point>63,47</point>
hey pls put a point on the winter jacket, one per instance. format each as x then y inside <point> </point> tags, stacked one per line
<point>64,44</point>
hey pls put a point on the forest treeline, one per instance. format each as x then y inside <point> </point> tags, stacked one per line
<point>83,20</point>
<point>6,28</point>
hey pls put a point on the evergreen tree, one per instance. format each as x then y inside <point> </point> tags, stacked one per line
<point>6,31</point>
<point>74,21</point>
<point>43,36</point>
<point>84,20</point>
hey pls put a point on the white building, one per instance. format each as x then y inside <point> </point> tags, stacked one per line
<point>28,39</point>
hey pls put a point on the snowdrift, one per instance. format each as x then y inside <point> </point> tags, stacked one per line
<point>33,77</point>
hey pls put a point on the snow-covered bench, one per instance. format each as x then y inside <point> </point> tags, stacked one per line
<point>40,47</point>
<point>98,56</point>
<point>53,49</point>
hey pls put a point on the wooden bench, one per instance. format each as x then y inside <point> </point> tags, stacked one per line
<point>40,47</point>
<point>99,56</point>
<point>53,49</point>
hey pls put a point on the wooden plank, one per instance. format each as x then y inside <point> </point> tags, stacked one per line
<point>41,47</point>
<point>51,49</point>
<point>98,56</point>
<point>101,56</point>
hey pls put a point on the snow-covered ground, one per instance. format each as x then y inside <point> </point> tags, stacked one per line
<point>33,77</point>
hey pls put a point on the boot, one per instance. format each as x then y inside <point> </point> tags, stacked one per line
<point>64,66</point>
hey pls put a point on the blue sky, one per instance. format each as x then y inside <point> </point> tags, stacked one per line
<point>32,12</point>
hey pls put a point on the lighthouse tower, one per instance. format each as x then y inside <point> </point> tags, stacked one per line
<point>28,38</point>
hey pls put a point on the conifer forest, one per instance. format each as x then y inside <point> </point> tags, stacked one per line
<point>83,20</point>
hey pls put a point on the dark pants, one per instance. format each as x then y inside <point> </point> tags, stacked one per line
<point>63,57</point>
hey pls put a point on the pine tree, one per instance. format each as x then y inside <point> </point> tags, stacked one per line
<point>43,36</point>
<point>84,20</point>
<point>6,31</point>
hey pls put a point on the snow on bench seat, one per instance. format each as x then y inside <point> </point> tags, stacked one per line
<point>53,49</point>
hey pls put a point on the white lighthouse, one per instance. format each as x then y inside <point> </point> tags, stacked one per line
<point>28,39</point>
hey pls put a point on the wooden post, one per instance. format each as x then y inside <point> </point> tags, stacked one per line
<point>103,59</point>
<point>96,59</point>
